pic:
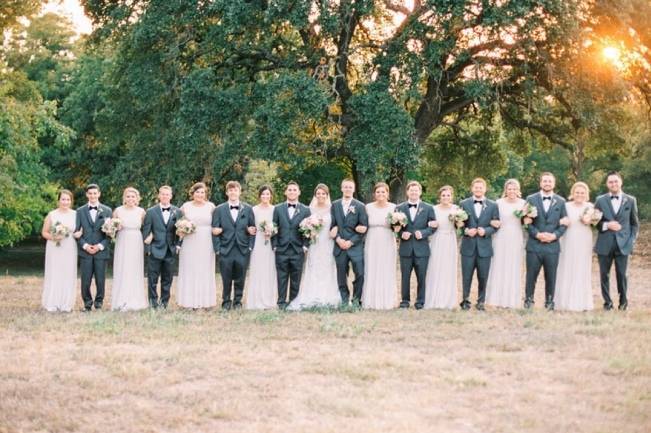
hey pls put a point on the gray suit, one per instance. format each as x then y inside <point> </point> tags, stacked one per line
<point>541,254</point>
<point>476,252</point>
<point>414,253</point>
<point>616,246</point>
<point>93,265</point>
<point>346,224</point>
<point>161,252</point>
<point>234,247</point>
<point>288,245</point>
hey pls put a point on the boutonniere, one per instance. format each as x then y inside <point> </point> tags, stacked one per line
<point>352,209</point>
<point>420,209</point>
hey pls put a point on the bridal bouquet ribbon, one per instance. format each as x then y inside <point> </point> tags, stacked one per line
<point>59,232</point>
<point>310,227</point>
<point>185,227</point>
<point>269,229</point>
<point>527,211</point>
<point>458,217</point>
<point>111,227</point>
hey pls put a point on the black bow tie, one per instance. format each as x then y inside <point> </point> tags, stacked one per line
<point>546,198</point>
<point>165,209</point>
<point>412,205</point>
<point>235,207</point>
<point>479,201</point>
<point>291,205</point>
<point>614,197</point>
<point>92,207</point>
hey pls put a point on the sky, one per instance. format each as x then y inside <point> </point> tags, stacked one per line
<point>73,10</point>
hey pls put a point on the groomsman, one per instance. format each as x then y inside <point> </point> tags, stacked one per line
<point>542,246</point>
<point>233,224</point>
<point>347,214</point>
<point>476,244</point>
<point>414,243</point>
<point>161,246</point>
<point>618,231</point>
<point>289,244</point>
<point>93,246</point>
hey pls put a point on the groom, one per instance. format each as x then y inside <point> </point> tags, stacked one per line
<point>618,231</point>
<point>414,243</point>
<point>476,244</point>
<point>161,246</point>
<point>543,248</point>
<point>289,244</point>
<point>93,246</point>
<point>347,214</point>
<point>232,223</point>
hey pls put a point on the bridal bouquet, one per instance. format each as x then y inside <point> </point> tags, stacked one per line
<point>310,227</point>
<point>396,220</point>
<point>59,232</point>
<point>591,216</point>
<point>458,217</point>
<point>528,211</point>
<point>185,227</point>
<point>269,229</point>
<point>111,227</point>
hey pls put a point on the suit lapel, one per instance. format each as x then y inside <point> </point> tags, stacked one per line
<point>621,205</point>
<point>159,212</point>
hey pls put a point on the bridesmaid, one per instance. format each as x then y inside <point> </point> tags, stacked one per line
<point>262,292</point>
<point>574,277</point>
<point>60,280</point>
<point>380,284</point>
<point>505,276</point>
<point>128,259</point>
<point>441,282</point>
<point>196,286</point>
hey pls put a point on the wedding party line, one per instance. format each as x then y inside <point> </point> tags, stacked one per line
<point>295,256</point>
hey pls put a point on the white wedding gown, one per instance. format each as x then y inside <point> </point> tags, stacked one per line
<point>319,281</point>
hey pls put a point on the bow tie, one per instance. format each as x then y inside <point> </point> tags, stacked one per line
<point>165,209</point>
<point>237,207</point>
<point>92,207</point>
<point>479,201</point>
<point>546,198</point>
<point>412,205</point>
<point>291,205</point>
<point>614,197</point>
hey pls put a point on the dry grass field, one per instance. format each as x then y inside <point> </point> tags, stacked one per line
<point>324,371</point>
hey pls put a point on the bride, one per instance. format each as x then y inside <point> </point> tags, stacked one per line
<point>319,281</point>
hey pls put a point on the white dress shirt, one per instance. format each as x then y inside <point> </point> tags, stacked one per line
<point>166,215</point>
<point>234,212</point>
<point>546,203</point>
<point>413,210</point>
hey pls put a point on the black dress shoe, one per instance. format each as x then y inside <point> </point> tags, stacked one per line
<point>153,304</point>
<point>404,305</point>
<point>98,306</point>
<point>549,306</point>
<point>226,305</point>
<point>608,306</point>
<point>163,305</point>
<point>480,306</point>
<point>237,306</point>
<point>87,309</point>
<point>528,303</point>
<point>465,305</point>
<point>623,306</point>
<point>418,306</point>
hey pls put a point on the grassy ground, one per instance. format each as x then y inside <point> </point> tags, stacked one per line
<point>178,371</point>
